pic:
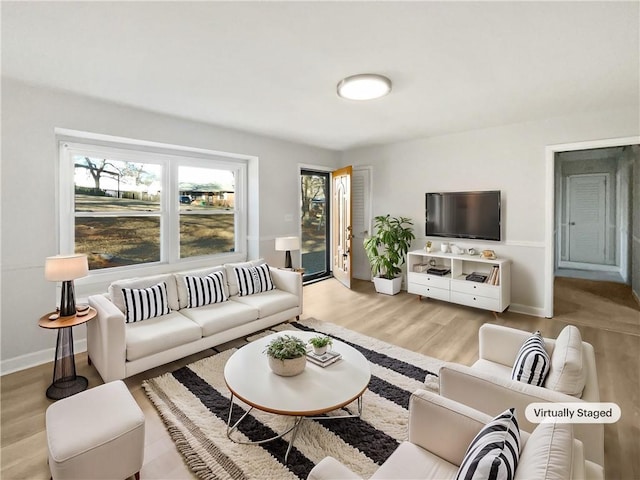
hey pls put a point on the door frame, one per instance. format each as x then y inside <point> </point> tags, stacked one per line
<point>323,169</point>
<point>549,243</point>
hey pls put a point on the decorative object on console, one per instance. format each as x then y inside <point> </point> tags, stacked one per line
<point>444,247</point>
<point>287,355</point>
<point>428,247</point>
<point>488,254</point>
<point>387,250</point>
<point>65,269</point>
<point>286,244</point>
<point>456,249</point>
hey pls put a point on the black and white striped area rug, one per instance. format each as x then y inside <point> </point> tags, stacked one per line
<point>194,404</point>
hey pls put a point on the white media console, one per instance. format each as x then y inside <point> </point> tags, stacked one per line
<point>453,287</point>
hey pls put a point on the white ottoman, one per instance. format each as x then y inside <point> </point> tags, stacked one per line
<point>96,434</point>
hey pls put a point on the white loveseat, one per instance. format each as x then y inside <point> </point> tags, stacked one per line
<point>488,387</point>
<point>119,349</point>
<point>440,430</point>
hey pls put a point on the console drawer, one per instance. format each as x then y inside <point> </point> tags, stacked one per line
<point>429,291</point>
<point>477,301</point>
<point>429,280</point>
<point>475,288</point>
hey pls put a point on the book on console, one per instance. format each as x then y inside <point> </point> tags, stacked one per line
<point>325,359</point>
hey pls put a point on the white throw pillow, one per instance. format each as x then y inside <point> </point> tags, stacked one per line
<point>231,275</point>
<point>253,280</point>
<point>532,362</point>
<point>143,303</point>
<point>547,453</point>
<point>493,454</point>
<point>567,373</point>
<point>115,289</point>
<point>205,290</point>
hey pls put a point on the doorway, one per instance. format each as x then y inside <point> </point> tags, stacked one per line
<point>590,218</point>
<point>314,221</point>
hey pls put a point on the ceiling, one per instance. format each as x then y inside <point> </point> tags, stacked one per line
<point>272,67</point>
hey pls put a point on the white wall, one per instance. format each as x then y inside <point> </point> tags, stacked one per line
<point>29,220</point>
<point>635,216</point>
<point>509,158</point>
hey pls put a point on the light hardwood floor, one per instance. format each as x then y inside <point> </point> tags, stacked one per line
<point>605,313</point>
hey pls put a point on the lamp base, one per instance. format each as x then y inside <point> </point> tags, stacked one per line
<point>287,260</point>
<point>67,299</point>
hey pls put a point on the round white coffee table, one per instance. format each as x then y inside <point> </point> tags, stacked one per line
<point>315,391</point>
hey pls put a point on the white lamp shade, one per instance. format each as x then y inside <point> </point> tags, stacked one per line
<point>284,244</point>
<point>66,267</point>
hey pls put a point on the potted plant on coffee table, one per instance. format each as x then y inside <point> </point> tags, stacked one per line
<point>320,344</point>
<point>387,250</point>
<point>287,355</point>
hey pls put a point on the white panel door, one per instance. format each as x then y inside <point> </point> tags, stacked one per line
<point>587,217</point>
<point>361,221</point>
<point>341,232</point>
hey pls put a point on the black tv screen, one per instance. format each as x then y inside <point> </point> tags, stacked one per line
<point>473,215</point>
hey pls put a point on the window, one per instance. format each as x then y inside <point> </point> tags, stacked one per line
<point>127,208</point>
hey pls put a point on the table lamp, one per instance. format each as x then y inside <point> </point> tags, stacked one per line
<point>286,244</point>
<point>65,269</point>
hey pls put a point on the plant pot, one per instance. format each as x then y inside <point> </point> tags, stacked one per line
<point>320,350</point>
<point>388,287</point>
<point>288,367</point>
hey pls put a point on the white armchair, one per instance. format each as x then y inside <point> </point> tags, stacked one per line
<point>440,430</point>
<point>487,384</point>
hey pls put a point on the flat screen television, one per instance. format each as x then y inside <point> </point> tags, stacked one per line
<point>474,215</point>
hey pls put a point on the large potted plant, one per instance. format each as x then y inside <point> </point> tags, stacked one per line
<point>387,250</point>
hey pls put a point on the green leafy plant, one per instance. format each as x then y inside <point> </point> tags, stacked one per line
<point>387,249</point>
<point>285,347</point>
<point>320,341</point>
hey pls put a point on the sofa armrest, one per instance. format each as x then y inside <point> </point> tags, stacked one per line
<point>500,344</point>
<point>288,281</point>
<point>106,339</point>
<point>491,394</point>
<point>443,427</point>
<point>331,469</point>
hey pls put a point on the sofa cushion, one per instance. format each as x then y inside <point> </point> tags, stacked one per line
<point>115,289</point>
<point>532,362</point>
<point>547,455</point>
<point>567,373</point>
<point>159,334</point>
<point>409,462</point>
<point>143,303</point>
<point>252,280</point>
<point>231,276</point>
<point>206,290</point>
<point>492,368</point>
<point>494,452</point>
<point>218,317</point>
<point>269,303</point>
<point>183,294</point>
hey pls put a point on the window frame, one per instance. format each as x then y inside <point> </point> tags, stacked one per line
<point>170,159</point>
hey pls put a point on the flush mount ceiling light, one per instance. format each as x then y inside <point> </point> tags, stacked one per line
<point>364,86</point>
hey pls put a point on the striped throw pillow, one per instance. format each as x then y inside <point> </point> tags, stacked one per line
<point>143,303</point>
<point>253,279</point>
<point>494,452</point>
<point>205,290</point>
<point>532,362</point>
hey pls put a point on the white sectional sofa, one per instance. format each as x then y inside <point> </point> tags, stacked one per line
<point>119,349</point>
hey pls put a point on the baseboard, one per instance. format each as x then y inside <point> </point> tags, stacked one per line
<point>526,309</point>
<point>37,358</point>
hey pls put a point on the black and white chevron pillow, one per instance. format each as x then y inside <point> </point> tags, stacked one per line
<point>143,303</point>
<point>532,362</point>
<point>494,452</point>
<point>205,290</point>
<point>254,279</point>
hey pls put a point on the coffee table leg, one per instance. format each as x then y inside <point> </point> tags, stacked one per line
<point>296,427</point>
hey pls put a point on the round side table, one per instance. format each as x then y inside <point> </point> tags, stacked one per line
<point>65,381</point>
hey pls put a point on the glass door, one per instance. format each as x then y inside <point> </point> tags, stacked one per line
<point>314,218</point>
